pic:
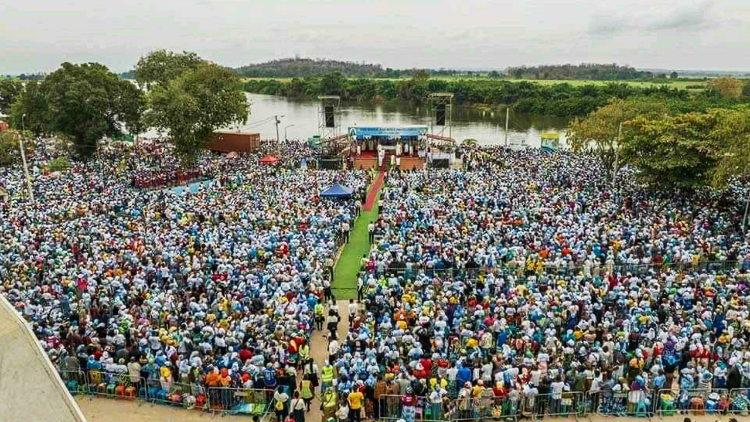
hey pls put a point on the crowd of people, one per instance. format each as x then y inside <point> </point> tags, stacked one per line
<point>216,286</point>
<point>524,275</point>
<point>530,276</point>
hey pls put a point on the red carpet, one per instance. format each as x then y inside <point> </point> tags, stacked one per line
<point>374,192</point>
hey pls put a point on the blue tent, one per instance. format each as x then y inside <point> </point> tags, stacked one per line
<point>337,191</point>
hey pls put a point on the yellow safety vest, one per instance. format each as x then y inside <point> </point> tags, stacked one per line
<point>328,373</point>
<point>304,351</point>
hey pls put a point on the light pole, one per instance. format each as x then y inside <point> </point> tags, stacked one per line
<point>23,158</point>
<point>285,128</point>
<point>277,126</point>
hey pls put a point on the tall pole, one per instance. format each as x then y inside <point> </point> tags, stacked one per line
<point>507,119</point>
<point>617,158</point>
<point>744,218</point>
<point>277,128</point>
<point>285,128</point>
<point>23,158</point>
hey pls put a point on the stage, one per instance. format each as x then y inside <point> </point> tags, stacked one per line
<point>387,146</point>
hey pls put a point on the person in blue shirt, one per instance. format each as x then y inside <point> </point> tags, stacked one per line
<point>464,374</point>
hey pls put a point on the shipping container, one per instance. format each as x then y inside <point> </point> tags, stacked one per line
<point>229,141</point>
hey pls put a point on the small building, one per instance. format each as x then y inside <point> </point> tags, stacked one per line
<point>4,126</point>
<point>234,141</point>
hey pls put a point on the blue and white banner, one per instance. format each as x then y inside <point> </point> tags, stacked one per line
<point>396,132</point>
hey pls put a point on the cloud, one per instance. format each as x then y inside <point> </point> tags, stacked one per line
<point>694,17</point>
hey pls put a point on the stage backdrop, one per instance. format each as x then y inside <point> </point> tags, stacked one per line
<point>403,132</point>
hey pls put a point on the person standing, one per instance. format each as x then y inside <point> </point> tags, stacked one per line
<point>297,408</point>
<point>345,231</point>
<point>355,405</point>
<point>280,406</point>
<point>360,289</point>
<point>306,387</point>
<point>371,232</point>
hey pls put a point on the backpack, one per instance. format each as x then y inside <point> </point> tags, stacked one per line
<point>279,405</point>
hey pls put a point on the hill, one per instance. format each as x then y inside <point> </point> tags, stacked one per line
<point>302,67</point>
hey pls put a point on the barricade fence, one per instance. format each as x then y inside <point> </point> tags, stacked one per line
<point>261,402</point>
<point>564,404</point>
<point>155,390</point>
<point>521,270</point>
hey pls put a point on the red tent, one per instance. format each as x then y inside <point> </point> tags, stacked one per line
<point>269,159</point>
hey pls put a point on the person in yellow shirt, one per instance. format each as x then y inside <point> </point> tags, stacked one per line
<point>355,405</point>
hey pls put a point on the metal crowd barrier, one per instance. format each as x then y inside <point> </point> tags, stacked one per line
<point>634,403</point>
<point>75,381</point>
<point>258,402</point>
<point>483,407</point>
<point>739,402</point>
<point>505,269</point>
<point>566,404</point>
<point>112,384</point>
<point>240,401</point>
<point>190,396</point>
<point>696,402</point>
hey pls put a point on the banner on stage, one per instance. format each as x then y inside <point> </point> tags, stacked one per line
<point>395,132</point>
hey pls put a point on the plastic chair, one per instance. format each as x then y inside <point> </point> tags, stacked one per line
<point>697,406</point>
<point>72,386</point>
<point>667,406</point>
<point>641,410</point>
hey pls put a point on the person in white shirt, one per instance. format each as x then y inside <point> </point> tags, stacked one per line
<point>556,390</point>
<point>353,308</point>
<point>333,349</point>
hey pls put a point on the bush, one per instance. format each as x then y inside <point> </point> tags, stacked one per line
<point>59,164</point>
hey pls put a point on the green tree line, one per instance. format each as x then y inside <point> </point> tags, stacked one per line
<point>563,99</point>
<point>585,71</point>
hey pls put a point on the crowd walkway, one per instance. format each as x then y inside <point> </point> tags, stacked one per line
<point>347,268</point>
<point>372,196</point>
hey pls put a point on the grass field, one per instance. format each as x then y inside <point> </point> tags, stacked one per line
<point>347,268</point>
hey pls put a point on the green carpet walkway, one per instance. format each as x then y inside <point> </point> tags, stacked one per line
<point>345,274</point>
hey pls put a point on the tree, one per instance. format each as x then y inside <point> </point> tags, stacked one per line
<point>85,102</point>
<point>673,75</point>
<point>732,133</point>
<point>190,107</point>
<point>9,90</point>
<point>132,102</point>
<point>31,103</point>
<point>10,152</point>
<point>494,74</point>
<point>332,84</point>
<point>160,67</point>
<point>689,150</point>
<point>600,129</point>
<point>726,87</point>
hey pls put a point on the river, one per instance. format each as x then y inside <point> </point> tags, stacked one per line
<point>486,126</point>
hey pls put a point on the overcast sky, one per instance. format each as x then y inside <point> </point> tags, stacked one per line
<point>38,35</point>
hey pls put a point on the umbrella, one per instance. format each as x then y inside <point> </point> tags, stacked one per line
<point>269,159</point>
